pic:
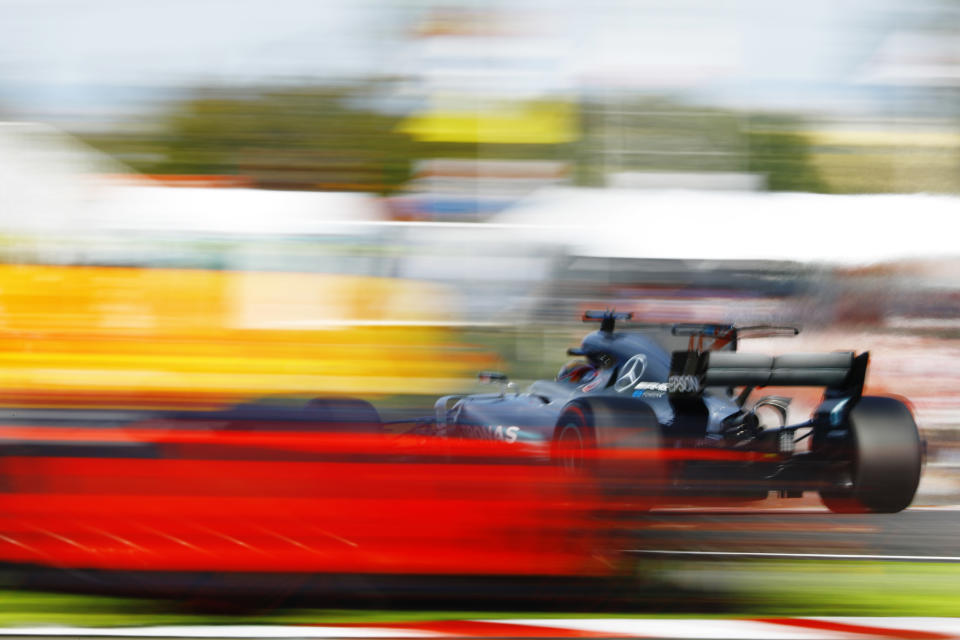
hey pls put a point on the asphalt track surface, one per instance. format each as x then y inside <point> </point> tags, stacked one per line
<point>917,534</point>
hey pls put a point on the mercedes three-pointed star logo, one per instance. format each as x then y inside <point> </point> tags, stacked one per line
<point>631,372</point>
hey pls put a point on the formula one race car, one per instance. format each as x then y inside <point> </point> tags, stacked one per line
<point>692,407</point>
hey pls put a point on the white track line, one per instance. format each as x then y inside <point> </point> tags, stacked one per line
<point>732,629</point>
<point>820,556</point>
<point>717,629</point>
<point>780,510</point>
<point>767,512</point>
<point>221,631</point>
<point>947,626</point>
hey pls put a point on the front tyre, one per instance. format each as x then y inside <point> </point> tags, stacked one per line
<point>886,454</point>
<point>617,440</point>
<point>573,440</point>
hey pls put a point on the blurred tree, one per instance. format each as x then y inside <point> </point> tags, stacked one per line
<point>312,138</point>
<point>780,151</point>
<point>337,138</point>
<point>627,134</point>
<point>319,138</point>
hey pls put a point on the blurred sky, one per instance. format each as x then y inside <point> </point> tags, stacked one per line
<point>100,54</point>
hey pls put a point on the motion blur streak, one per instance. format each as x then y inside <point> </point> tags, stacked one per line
<point>367,505</point>
<point>159,337</point>
<point>332,445</point>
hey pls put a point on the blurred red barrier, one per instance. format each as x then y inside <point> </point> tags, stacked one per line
<point>235,501</point>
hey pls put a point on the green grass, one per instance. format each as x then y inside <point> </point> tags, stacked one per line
<point>684,589</point>
<point>820,588</point>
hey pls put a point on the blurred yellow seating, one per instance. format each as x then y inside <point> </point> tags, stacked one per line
<point>147,337</point>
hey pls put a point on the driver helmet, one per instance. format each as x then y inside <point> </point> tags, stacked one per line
<point>577,371</point>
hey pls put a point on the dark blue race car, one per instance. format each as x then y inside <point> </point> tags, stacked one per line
<point>685,392</point>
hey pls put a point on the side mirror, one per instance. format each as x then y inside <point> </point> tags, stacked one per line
<point>492,377</point>
<point>495,377</point>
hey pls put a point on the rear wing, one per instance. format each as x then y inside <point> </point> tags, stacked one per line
<point>692,371</point>
<point>723,335</point>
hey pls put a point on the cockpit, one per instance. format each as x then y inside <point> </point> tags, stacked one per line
<point>577,372</point>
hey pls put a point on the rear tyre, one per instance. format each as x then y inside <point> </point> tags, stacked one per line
<point>886,457</point>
